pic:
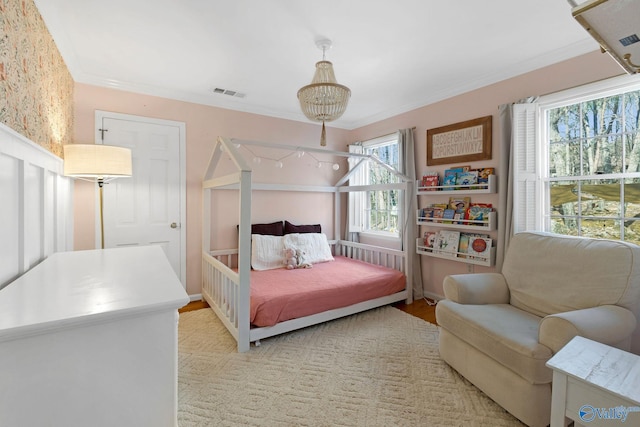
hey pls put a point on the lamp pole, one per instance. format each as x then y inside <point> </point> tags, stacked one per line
<point>101,184</point>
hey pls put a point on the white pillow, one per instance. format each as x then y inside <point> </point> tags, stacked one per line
<point>314,245</point>
<point>267,252</point>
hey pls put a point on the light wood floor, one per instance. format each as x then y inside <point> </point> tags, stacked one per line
<point>194,305</point>
<point>423,308</point>
<point>419,308</point>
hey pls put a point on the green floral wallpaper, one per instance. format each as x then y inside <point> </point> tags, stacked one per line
<point>36,88</point>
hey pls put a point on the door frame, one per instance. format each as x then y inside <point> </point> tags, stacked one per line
<point>99,115</point>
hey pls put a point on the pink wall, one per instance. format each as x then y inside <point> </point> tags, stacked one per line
<point>204,124</point>
<point>479,103</point>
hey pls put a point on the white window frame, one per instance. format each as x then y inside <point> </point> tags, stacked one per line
<point>531,196</point>
<point>362,200</point>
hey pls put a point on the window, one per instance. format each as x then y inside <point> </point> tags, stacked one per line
<point>589,162</point>
<point>381,208</point>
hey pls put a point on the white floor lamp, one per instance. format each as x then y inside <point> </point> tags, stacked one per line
<point>98,163</point>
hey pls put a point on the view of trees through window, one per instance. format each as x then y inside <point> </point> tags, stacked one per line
<point>382,205</point>
<point>594,168</point>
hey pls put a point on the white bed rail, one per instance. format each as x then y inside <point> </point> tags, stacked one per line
<point>221,289</point>
<point>391,258</point>
<point>220,286</point>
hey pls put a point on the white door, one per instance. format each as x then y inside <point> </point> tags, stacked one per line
<point>148,208</point>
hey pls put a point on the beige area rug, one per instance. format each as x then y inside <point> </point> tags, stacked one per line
<point>377,368</point>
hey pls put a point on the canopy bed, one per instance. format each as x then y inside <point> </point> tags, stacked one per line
<point>249,287</point>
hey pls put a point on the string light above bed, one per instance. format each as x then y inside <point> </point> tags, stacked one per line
<point>324,99</point>
<point>298,153</point>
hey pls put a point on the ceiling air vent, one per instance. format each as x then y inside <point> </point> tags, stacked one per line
<point>229,92</point>
<point>629,40</point>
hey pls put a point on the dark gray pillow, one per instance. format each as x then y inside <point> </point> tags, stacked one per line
<point>272,229</point>
<point>309,228</point>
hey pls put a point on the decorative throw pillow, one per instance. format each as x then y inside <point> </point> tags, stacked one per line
<point>311,228</point>
<point>271,229</point>
<point>267,252</point>
<point>314,245</point>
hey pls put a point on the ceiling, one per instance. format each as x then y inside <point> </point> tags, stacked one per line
<point>395,56</point>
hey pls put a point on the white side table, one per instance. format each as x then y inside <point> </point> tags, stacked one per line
<point>595,384</point>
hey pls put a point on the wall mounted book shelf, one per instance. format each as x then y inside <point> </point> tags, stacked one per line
<point>456,256</point>
<point>482,226</point>
<point>439,190</point>
<point>460,224</point>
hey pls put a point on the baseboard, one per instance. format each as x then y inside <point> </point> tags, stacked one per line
<point>195,297</point>
<point>432,296</point>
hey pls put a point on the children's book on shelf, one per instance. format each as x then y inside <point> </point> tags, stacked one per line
<point>426,212</point>
<point>438,213</point>
<point>483,175</point>
<point>449,178</point>
<point>458,217</point>
<point>465,179</point>
<point>463,245</point>
<point>430,239</point>
<point>430,180</point>
<point>459,203</point>
<point>479,247</point>
<point>478,212</point>
<point>447,242</point>
<point>447,216</point>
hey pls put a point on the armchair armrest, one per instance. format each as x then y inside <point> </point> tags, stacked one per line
<point>608,324</point>
<point>478,288</point>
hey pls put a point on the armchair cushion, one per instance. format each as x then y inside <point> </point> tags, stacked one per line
<point>608,324</point>
<point>546,273</point>
<point>502,332</point>
<point>481,288</point>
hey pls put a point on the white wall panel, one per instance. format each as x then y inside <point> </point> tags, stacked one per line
<point>9,218</point>
<point>36,213</point>
<point>49,210</point>
<point>63,233</point>
<point>33,215</point>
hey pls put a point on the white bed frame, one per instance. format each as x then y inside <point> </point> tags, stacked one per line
<point>228,291</point>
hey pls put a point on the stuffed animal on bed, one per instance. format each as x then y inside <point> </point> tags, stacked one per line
<point>303,262</point>
<point>290,259</point>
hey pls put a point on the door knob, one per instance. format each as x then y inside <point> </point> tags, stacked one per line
<point>174,225</point>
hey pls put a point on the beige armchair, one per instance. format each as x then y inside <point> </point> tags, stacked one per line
<point>499,329</point>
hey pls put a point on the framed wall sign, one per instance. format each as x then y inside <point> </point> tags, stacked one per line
<point>460,142</point>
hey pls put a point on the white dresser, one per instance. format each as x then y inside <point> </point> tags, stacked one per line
<point>89,338</point>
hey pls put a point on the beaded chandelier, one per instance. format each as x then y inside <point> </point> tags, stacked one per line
<point>324,99</point>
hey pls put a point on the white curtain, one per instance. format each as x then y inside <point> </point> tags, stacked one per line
<point>406,146</point>
<point>506,178</point>
<point>355,203</point>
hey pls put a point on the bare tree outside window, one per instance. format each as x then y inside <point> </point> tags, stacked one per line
<point>382,211</point>
<point>594,168</point>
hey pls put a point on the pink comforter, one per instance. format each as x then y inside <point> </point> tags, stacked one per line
<point>281,294</point>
